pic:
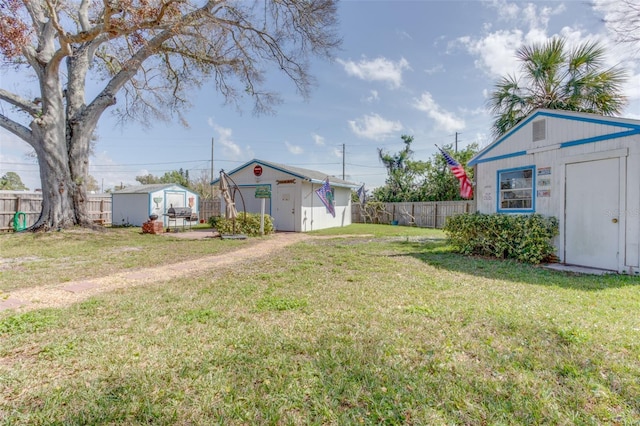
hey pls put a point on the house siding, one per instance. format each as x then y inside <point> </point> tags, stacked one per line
<point>569,138</point>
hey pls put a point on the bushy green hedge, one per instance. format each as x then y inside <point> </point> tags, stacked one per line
<point>526,238</point>
<point>250,226</point>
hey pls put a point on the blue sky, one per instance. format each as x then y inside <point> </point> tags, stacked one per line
<point>421,68</point>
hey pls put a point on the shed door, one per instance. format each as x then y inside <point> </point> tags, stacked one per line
<point>285,210</point>
<point>592,206</point>
<point>173,199</point>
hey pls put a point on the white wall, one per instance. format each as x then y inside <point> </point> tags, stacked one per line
<point>315,215</point>
<point>566,142</point>
<point>308,211</point>
<point>130,209</point>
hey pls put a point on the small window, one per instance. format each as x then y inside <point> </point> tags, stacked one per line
<point>539,130</point>
<point>516,189</point>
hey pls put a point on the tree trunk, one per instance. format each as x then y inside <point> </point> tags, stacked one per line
<point>79,136</point>
<point>57,188</point>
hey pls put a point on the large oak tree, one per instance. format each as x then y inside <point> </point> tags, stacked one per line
<point>150,53</point>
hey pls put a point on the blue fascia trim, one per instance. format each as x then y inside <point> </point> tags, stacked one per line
<point>600,138</point>
<point>533,190</point>
<point>271,166</point>
<point>635,128</point>
<point>604,121</point>
<point>501,157</point>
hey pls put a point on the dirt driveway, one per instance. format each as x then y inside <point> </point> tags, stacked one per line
<point>65,294</point>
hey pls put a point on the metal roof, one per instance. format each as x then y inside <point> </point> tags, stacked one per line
<point>145,189</point>
<point>312,176</point>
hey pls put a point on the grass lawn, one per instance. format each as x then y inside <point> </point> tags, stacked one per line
<point>384,326</point>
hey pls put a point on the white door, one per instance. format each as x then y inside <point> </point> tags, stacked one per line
<point>592,206</point>
<point>284,205</point>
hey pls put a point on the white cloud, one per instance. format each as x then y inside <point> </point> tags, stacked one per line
<point>379,69</point>
<point>294,149</point>
<point>374,127</point>
<point>317,139</point>
<point>445,120</point>
<point>230,149</point>
<point>373,97</point>
<point>434,69</point>
<point>108,174</point>
<point>495,51</point>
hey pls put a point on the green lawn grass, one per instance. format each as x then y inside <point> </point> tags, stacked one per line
<point>32,259</point>
<point>386,326</point>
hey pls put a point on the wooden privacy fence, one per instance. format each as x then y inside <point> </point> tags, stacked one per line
<point>209,207</point>
<point>30,203</point>
<point>432,214</point>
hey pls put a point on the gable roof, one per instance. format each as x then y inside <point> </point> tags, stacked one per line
<point>145,189</point>
<point>312,176</point>
<point>633,127</point>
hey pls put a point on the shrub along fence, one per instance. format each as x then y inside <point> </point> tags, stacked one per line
<point>431,214</point>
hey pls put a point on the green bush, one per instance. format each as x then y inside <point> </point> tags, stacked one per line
<point>249,226</point>
<point>526,238</point>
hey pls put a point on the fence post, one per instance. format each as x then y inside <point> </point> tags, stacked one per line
<point>435,216</point>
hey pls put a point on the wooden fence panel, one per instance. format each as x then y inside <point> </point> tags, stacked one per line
<point>432,214</point>
<point>30,203</point>
<point>208,208</point>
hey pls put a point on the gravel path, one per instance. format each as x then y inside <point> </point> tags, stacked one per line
<point>65,294</point>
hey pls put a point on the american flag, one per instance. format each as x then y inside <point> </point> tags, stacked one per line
<point>362,194</point>
<point>326,196</point>
<point>466,189</point>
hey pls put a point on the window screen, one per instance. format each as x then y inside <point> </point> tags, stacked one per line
<point>516,189</point>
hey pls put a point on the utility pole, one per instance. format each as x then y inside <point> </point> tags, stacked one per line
<point>211,168</point>
<point>343,153</point>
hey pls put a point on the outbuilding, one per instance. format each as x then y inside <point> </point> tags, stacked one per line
<point>291,195</point>
<point>583,169</point>
<point>133,205</point>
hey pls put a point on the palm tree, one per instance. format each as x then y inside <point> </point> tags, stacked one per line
<point>555,78</point>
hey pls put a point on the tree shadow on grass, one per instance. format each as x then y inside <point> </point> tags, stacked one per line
<point>439,254</point>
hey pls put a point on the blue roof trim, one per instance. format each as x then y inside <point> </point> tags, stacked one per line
<point>500,157</point>
<point>289,172</point>
<point>600,138</point>
<point>634,129</point>
<point>213,182</point>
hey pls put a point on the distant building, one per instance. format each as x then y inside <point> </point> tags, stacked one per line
<point>293,203</point>
<point>134,204</point>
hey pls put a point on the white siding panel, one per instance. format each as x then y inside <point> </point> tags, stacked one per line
<point>130,209</point>
<point>632,212</point>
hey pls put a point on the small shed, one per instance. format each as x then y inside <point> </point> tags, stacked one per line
<point>293,202</point>
<point>133,205</point>
<point>583,169</point>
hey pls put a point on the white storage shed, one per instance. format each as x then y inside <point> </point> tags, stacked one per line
<point>134,205</point>
<point>293,204</point>
<point>584,169</point>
